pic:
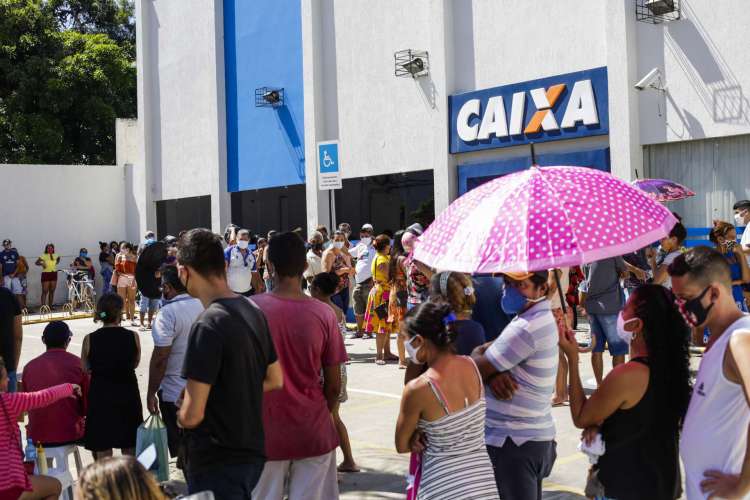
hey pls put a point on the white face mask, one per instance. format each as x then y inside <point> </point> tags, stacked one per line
<point>243,244</point>
<point>739,220</point>
<point>338,244</point>
<point>366,241</point>
<point>625,335</point>
<point>412,351</point>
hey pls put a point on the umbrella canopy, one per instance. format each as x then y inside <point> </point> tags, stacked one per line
<point>542,218</point>
<point>663,190</point>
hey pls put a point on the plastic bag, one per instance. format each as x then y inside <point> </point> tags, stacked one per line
<point>154,432</point>
<point>414,477</point>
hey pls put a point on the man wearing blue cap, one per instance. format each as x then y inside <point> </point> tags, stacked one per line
<point>60,423</point>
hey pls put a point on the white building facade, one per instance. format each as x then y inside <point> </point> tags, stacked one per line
<point>496,77</point>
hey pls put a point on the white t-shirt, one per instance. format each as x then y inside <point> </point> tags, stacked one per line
<point>171,328</point>
<point>314,265</point>
<point>240,269</point>
<point>667,261</point>
<point>745,242</point>
<point>364,255</point>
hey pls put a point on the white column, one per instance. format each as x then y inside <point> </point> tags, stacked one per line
<point>220,198</point>
<point>320,112</point>
<point>140,173</point>
<point>441,73</point>
<point>626,152</point>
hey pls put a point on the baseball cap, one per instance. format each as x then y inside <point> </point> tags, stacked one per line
<point>523,276</point>
<point>367,227</point>
<point>56,333</point>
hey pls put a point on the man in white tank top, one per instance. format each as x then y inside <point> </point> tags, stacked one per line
<point>714,443</point>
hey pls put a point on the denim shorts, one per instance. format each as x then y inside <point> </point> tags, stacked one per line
<point>149,304</point>
<point>604,328</point>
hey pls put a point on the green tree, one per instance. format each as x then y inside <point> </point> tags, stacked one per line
<point>66,73</point>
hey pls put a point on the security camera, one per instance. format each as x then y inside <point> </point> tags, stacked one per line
<point>272,96</point>
<point>414,66</point>
<point>650,80</point>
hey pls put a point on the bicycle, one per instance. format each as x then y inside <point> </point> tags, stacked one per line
<point>80,291</point>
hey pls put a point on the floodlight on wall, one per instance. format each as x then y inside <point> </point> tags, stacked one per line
<point>267,96</point>
<point>657,11</point>
<point>411,63</point>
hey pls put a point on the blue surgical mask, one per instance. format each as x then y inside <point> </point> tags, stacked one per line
<point>513,301</point>
<point>84,255</point>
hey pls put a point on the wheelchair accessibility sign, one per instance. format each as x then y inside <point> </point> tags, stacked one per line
<point>329,171</point>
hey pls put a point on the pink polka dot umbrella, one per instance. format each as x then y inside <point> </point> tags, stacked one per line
<point>543,218</point>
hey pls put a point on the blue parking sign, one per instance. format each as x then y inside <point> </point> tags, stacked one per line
<point>329,173</point>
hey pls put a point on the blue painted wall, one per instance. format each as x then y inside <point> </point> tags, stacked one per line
<point>263,48</point>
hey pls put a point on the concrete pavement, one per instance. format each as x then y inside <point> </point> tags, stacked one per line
<point>370,415</point>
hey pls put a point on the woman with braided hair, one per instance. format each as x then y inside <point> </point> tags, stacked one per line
<point>442,411</point>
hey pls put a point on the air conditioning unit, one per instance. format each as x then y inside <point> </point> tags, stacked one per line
<point>660,7</point>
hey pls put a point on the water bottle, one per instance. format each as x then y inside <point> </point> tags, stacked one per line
<point>29,459</point>
<point>41,459</point>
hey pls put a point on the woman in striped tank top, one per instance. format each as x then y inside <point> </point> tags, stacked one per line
<point>442,411</point>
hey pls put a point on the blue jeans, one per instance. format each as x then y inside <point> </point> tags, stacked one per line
<point>106,278</point>
<point>230,482</point>
<point>604,328</point>
<point>341,299</point>
<point>12,381</point>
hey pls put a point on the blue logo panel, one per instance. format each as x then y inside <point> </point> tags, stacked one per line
<point>549,109</point>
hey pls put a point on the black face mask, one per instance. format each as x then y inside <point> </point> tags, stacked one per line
<point>317,247</point>
<point>693,310</point>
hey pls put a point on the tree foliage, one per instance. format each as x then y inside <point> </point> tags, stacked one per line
<point>66,72</point>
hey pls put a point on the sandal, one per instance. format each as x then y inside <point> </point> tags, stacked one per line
<point>343,469</point>
<point>380,362</point>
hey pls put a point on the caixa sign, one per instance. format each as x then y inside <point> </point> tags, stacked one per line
<point>549,109</point>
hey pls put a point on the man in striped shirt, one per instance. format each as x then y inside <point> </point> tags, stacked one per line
<point>520,367</point>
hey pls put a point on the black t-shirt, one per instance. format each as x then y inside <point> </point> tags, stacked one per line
<point>103,257</point>
<point>230,348</point>
<point>9,309</point>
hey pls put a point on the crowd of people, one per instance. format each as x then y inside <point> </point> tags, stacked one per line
<point>249,368</point>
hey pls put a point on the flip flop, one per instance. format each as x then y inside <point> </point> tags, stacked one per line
<point>380,362</point>
<point>562,403</point>
<point>347,469</point>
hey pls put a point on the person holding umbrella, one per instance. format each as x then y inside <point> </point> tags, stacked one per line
<point>520,367</point>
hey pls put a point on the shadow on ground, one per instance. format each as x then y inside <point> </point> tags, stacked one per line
<point>382,476</point>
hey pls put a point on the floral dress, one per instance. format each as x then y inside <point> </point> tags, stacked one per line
<point>397,311</point>
<point>378,298</point>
